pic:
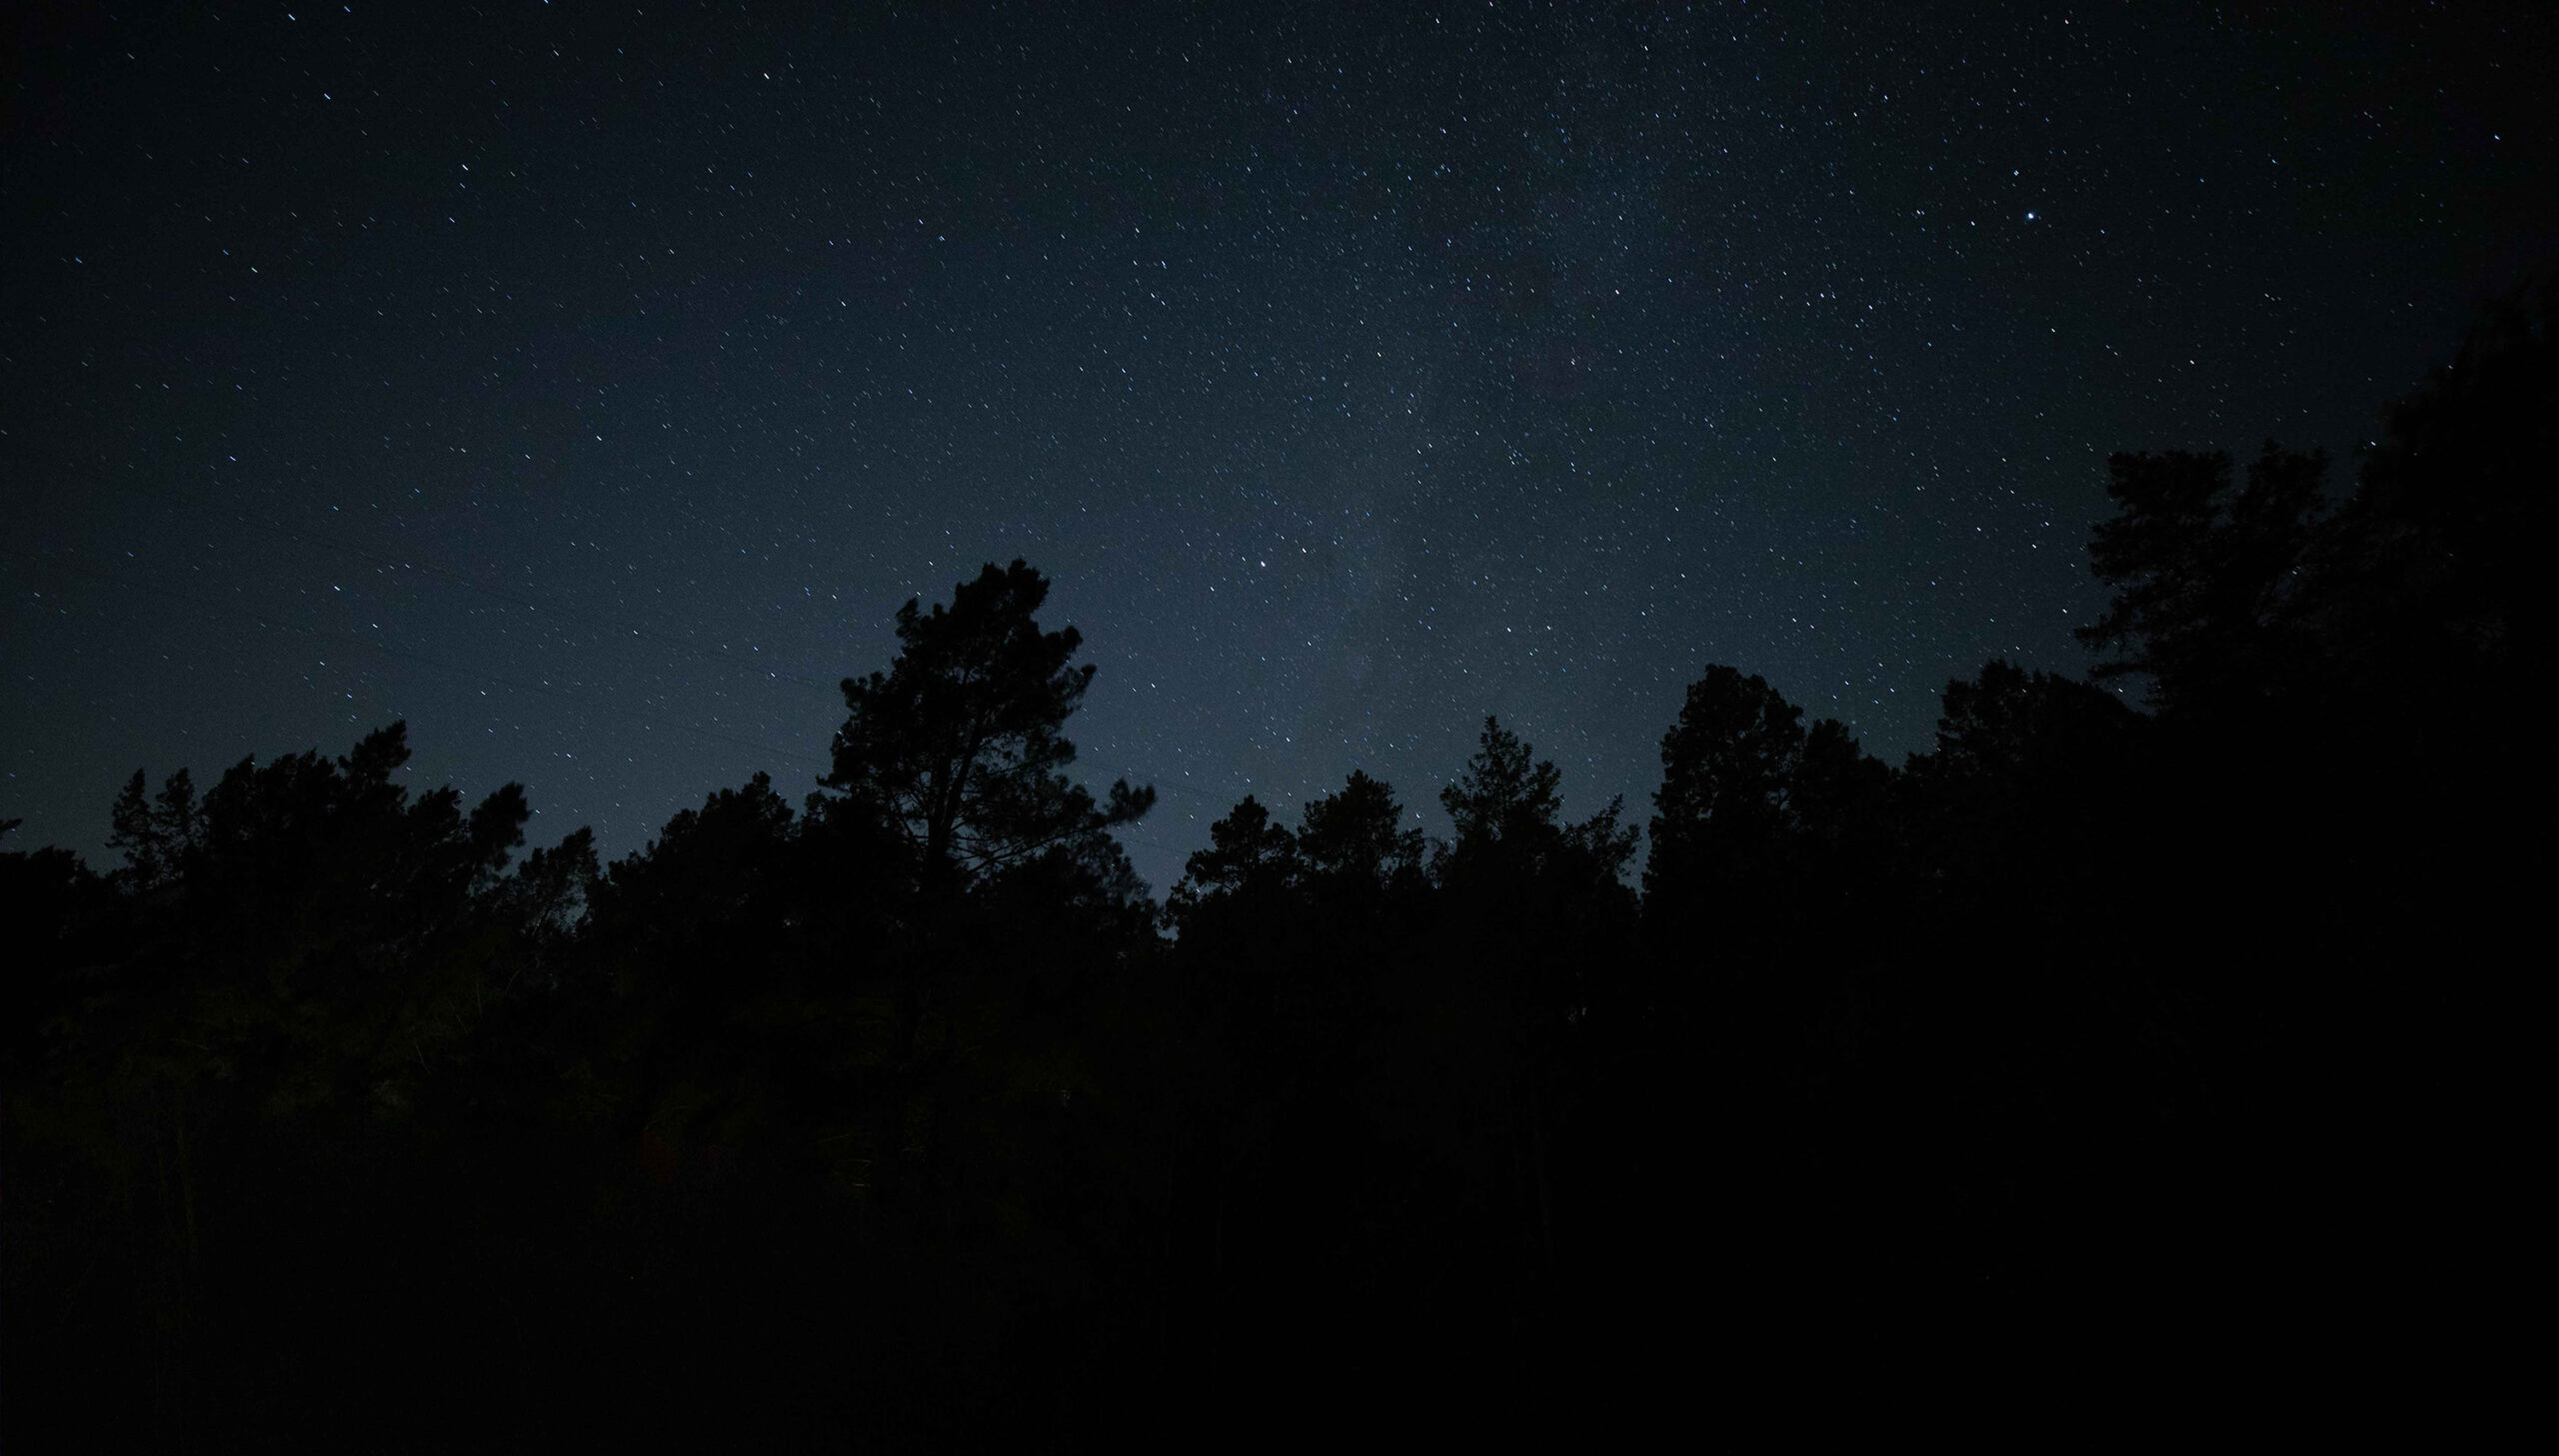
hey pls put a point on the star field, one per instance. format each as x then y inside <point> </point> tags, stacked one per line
<point>588,385</point>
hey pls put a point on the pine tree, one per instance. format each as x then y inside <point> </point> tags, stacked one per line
<point>958,748</point>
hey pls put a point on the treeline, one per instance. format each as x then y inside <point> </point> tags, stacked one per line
<point>903,1115</point>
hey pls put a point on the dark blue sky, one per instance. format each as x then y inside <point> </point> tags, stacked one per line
<point>588,385</point>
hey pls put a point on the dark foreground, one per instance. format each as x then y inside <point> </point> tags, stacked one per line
<point>2162,1051</point>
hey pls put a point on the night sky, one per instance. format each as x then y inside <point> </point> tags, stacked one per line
<point>588,385</point>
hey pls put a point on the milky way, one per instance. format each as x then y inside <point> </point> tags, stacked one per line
<point>588,385</point>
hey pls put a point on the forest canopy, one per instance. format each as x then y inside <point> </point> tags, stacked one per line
<point>907,1109</point>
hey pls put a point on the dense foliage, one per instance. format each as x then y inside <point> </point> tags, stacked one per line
<point>903,1115</point>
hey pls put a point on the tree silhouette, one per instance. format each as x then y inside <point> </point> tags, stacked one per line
<point>1509,818</point>
<point>2340,822</point>
<point>155,836</point>
<point>60,916</point>
<point>960,744</point>
<point>1728,768</point>
<point>2426,571</point>
<point>1839,793</point>
<point>2208,580</point>
<point>1245,849</point>
<point>2033,799</point>
<point>1356,836</point>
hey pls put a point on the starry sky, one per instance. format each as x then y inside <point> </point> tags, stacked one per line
<point>588,384</point>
